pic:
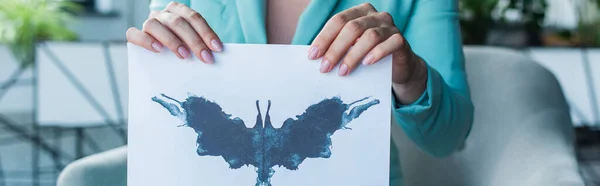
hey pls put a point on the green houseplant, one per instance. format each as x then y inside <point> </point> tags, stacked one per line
<point>480,17</point>
<point>588,29</point>
<point>533,15</point>
<point>25,22</point>
<point>476,20</point>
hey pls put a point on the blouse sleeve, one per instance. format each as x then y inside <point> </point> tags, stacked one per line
<point>440,120</point>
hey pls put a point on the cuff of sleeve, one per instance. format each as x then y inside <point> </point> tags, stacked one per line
<point>424,100</point>
<point>421,115</point>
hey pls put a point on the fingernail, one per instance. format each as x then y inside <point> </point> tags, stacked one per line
<point>313,52</point>
<point>183,52</point>
<point>157,46</point>
<point>324,66</point>
<point>217,45</point>
<point>207,57</point>
<point>368,60</point>
<point>343,70</point>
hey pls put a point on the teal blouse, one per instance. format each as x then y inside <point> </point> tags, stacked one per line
<point>439,121</point>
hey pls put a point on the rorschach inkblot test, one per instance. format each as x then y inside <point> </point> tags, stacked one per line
<point>264,146</point>
<point>261,115</point>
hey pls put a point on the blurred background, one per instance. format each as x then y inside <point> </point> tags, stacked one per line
<point>63,73</point>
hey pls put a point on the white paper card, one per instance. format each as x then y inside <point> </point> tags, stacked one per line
<point>195,124</point>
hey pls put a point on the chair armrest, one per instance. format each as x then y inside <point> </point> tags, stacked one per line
<point>104,169</point>
<point>522,132</point>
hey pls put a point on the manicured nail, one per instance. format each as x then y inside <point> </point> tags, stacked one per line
<point>183,52</point>
<point>207,57</point>
<point>157,46</point>
<point>368,60</point>
<point>343,70</point>
<point>312,53</point>
<point>324,66</point>
<point>217,45</point>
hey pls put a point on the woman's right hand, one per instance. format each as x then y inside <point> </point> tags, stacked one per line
<point>180,29</point>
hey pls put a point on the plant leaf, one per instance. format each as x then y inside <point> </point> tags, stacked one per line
<point>24,22</point>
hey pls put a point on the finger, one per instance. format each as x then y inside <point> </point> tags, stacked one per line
<point>143,39</point>
<point>393,44</point>
<point>350,32</point>
<point>199,24</point>
<point>187,34</point>
<point>161,33</point>
<point>333,27</point>
<point>367,41</point>
<point>154,13</point>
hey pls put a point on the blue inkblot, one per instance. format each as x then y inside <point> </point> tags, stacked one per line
<point>264,146</point>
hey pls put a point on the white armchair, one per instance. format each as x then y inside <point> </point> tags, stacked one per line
<point>522,132</point>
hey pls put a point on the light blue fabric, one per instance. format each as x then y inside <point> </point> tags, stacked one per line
<point>439,121</point>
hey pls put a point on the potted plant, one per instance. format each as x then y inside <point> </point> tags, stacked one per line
<point>588,29</point>
<point>476,20</point>
<point>25,22</point>
<point>533,15</point>
<point>484,20</point>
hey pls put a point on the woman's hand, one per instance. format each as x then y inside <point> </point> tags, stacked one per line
<point>372,36</point>
<point>180,29</point>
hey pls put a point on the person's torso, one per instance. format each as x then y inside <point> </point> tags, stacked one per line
<point>282,18</point>
<point>244,21</point>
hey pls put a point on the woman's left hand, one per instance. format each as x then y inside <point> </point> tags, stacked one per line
<point>363,35</point>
